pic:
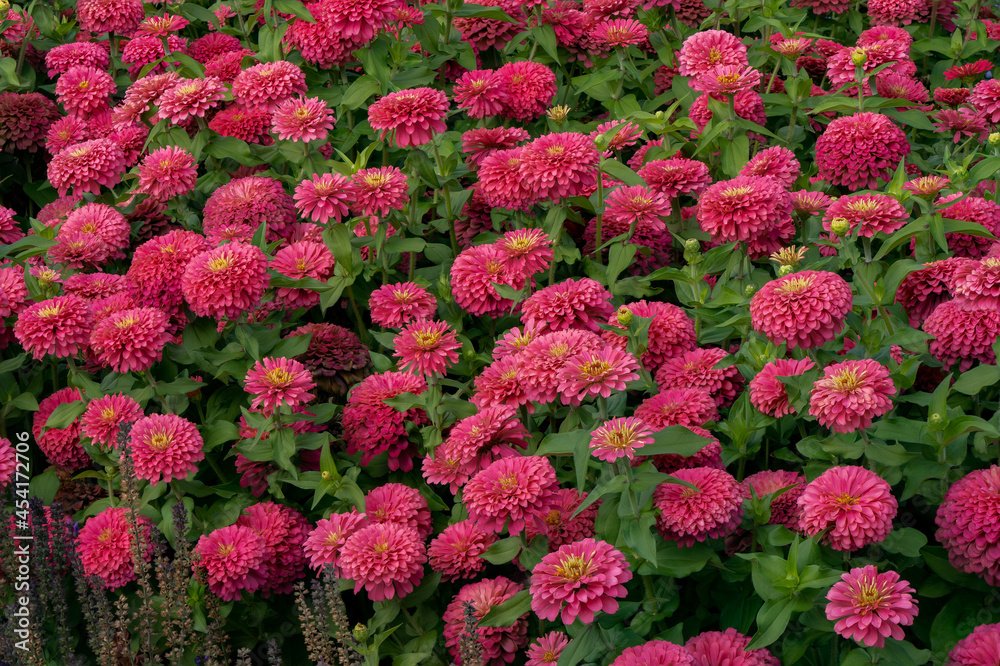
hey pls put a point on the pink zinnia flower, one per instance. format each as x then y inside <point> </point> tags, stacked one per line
<point>594,373</point>
<point>324,544</point>
<point>167,172</point>
<point>850,394</point>
<point>237,209</point>
<point>727,648</point>
<point>980,648</point>
<point>106,16</point>
<point>105,546</point>
<point>478,440</point>
<point>873,213</point>
<point>61,446</point>
<point>163,25</point>
<point>84,90</point>
<point>542,359</point>
<point>399,504</point>
<point>473,274</point>
<point>621,437</point>
<point>373,427</point>
<point>703,51</point>
<point>250,125</point>
<point>385,559</point>
<point>412,116</point>
<point>697,369</point>
<point>480,93</point>
<point>302,260</point>
<point>108,229</point>
<point>676,176</point>
<point>870,607</point>
<point>857,151</point>
<point>233,557</point>
<point>478,143</point>
<point>968,521</point>
<point>154,276</point>
<point>8,461</point>
<point>547,649</point>
<point>501,183</point>
<point>530,88</point>
<point>619,33</point>
<point>302,119</point>
<point>499,645</point>
<point>562,524</point>
<point>727,80</point>
<point>573,304</point>
<point>655,652</point>
<point>686,407</point>
<point>804,309</point>
<point>963,333</point>
<point>165,446</point>
<point>500,384</point>
<point>278,382</point>
<point>785,509</point>
<point>87,167</point>
<point>743,208</point>
<point>777,162</point>
<point>130,340</point>
<point>951,97</point>
<point>968,72</point>
<point>213,44</point>
<point>323,197</point>
<point>190,98</point>
<point>768,393</point>
<point>268,84</point>
<point>456,551</point>
<point>558,166</point>
<point>378,191</point>
<point>426,347</point>
<point>58,326</point>
<point>395,305</point>
<point>60,59</point>
<point>986,98</point>
<point>687,515</point>
<point>579,580</point>
<point>526,251</point>
<point>634,205</point>
<point>227,281</point>
<point>284,531</point>
<point>670,333</point>
<point>511,492</point>
<point>104,416</point>
<point>854,507</point>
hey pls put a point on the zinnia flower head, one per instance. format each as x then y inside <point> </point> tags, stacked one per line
<point>785,508</point>
<point>655,652</point>
<point>768,394</point>
<point>426,347</point>
<point>501,183</point>
<point>850,394</point>
<point>869,213</point>
<point>562,524</point>
<point>579,580</point>
<point>190,98</point>
<point>378,191</point>
<point>498,645</point>
<point>870,607</point>
<point>58,326</point>
<point>686,407</point>
<point>373,427</point>
<point>859,150</point>
<point>480,93</point>
<point>167,172</point>
<point>530,88</point>
<point>985,97</point>
<point>852,504</point>
<point>777,162</point>
<point>511,492</point>
<point>480,142</point>
<point>250,125</point>
<point>727,647</point>
<point>237,209</point>
<point>526,251</point>
<point>130,340</point>
<point>60,59</point>
<point>104,416</point>
<point>84,90</point>
<point>165,446</point>
<point>710,510</point>
<point>727,80</point>
<point>542,359</point>
<point>413,116</point>
<point>323,545</point>
<point>276,382</point>
<point>547,649</point>
<point>968,521</point>
<point>670,333</point>
<point>233,557</point>
<point>697,369</point>
<point>8,461</point>
<point>302,119</point>
<point>557,166</point>
<point>456,551</point>
<point>394,305</point>
<point>61,446</point>
<point>620,437</point>
<point>400,504</point>
<point>635,205</point>
<point>105,546</point>
<point>300,260</point>
<point>87,167</point>
<point>386,559</point>
<point>473,274</point>
<point>951,97</point>
<point>573,304</point>
<point>226,281</point>
<point>703,51</point>
<point>284,531</point>
<point>804,309</point>
<point>323,198</point>
<point>743,208</point>
<point>267,85</point>
<point>594,373</point>
<point>24,120</point>
<point>121,17</point>
<point>618,33</point>
<point>500,384</point>
<point>980,648</point>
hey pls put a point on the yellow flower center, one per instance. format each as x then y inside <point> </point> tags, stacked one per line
<point>225,549</point>
<point>848,379</point>
<point>188,88</point>
<point>869,598</point>
<point>125,322</point>
<point>595,369</point>
<point>375,180</point>
<point>795,285</point>
<point>573,568</point>
<point>728,79</point>
<point>107,414</point>
<point>426,340</point>
<point>508,482</point>
<point>301,113</point>
<point>106,535</point>
<point>714,55</point>
<point>160,441</point>
<point>847,500</point>
<point>737,191</point>
<point>50,311</point>
<point>278,376</point>
<point>381,547</point>
<point>83,85</point>
<point>554,518</point>
<point>220,264</point>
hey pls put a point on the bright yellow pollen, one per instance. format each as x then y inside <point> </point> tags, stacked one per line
<point>375,180</point>
<point>220,264</point>
<point>126,322</point>
<point>620,438</point>
<point>187,89</point>
<point>795,285</point>
<point>302,112</point>
<point>79,152</point>
<point>864,206</point>
<point>107,414</point>
<point>508,482</point>
<point>846,500</point>
<point>278,376</point>
<point>573,568</point>
<point>714,55</point>
<point>427,340</point>
<point>728,79</point>
<point>50,311</point>
<point>595,369</point>
<point>869,598</point>
<point>160,441</point>
<point>737,191</point>
<point>88,228</point>
<point>301,265</point>
<point>105,536</point>
<point>83,85</point>
<point>558,350</point>
<point>554,518</point>
<point>555,150</point>
<point>333,537</point>
<point>847,380</point>
<point>225,549</point>
<point>380,547</point>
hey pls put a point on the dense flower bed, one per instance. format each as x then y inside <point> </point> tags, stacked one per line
<point>600,332</point>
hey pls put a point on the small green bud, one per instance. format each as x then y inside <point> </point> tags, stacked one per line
<point>785,270</point>
<point>859,57</point>
<point>624,316</point>
<point>4,6</point>
<point>959,173</point>
<point>840,226</point>
<point>326,476</point>
<point>360,633</point>
<point>750,290</point>
<point>692,245</point>
<point>935,421</point>
<point>993,138</point>
<point>660,115</point>
<point>108,469</point>
<point>558,114</point>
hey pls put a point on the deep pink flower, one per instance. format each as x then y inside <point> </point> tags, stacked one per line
<point>619,33</point>
<point>868,213</point>
<point>804,309</point>
<point>499,645</point>
<point>968,523</point>
<point>426,347</point>
<point>268,84</point>
<point>670,333</point>
<point>621,437</point>
<point>851,505</point>
<point>526,251</point>
<point>250,125</point>
<point>501,183</point>
<point>190,98</point>
<point>963,333</point>
<point>104,416</point>
<point>233,557</point>
<point>372,427</point>
<point>237,209</point>
<point>687,407</point>
<point>227,281</point>
<point>785,509</point>
<point>60,59</point>
<point>579,580</point>
<point>743,208</point>
<point>167,172</point>
<point>980,648</point>
<point>511,492</point>
<point>562,524</point>
<point>500,383</point>
<point>544,357</point>
<point>573,304</point>
<point>298,261</point>
<point>104,545</point>
<point>530,88</point>
<point>284,531</point>
<point>634,207</point>
<point>87,167</point>
<point>655,652</point>
<point>547,649</point>
<point>413,116</point>
<point>394,305</point>
<point>324,544</point>
<point>480,93</point>
<point>857,151</point>
<point>58,326</point>
<point>480,142</point>
<point>675,176</point>
<point>850,394</point>
<point>870,607</point>
<point>165,446</point>
<point>986,98</point>
<point>768,393</point>
<point>704,50</point>
<point>130,340</point>
<point>378,191</point>
<point>686,515</point>
<point>472,276</point>
<point>777,162</point>
<point>61,446</point>
<point>456,551</point>
<point>727,80</point>
<point>121,17</point>
<point>400,504</point>
<point>727,648</point>
<point>84,90</point>
<point>593,373</point>
<point>698,369</point>
<point>302,119</point>
<point>385,559</point>
<point>558,166</point>
<point>323,197</point>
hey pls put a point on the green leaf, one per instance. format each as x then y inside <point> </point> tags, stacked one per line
<point>64,415</point>
<point>44,486</point>
<point>772,619</point>
<point>359,92</point>
<point>893,455</point>
<point>294,7</point>
<point>975,380</point>
<point>676,440</point>
<point>580,648</point>
<point>617,170</point>
<point>509,612</point>
<point>906,541</point>
<point>503,551</point>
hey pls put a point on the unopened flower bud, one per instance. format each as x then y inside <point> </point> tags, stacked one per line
<point>993,138</point>
<point>959,173</point>
<point>108,469</point>
<point>935,421</point>
<point>4,6</point>
<point>558,114</point>
<point>624,316</point>
<point>750,290</point>
<point>840,226</point>
<point>326,476</point>
<point>785,270</point>
<point>360,633</point>
<point>692,245</point>
<point>660,115</point>
<point>859,57</point>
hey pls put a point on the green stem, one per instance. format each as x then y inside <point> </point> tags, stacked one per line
<point>447,199</point>
<point>365,337</point>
